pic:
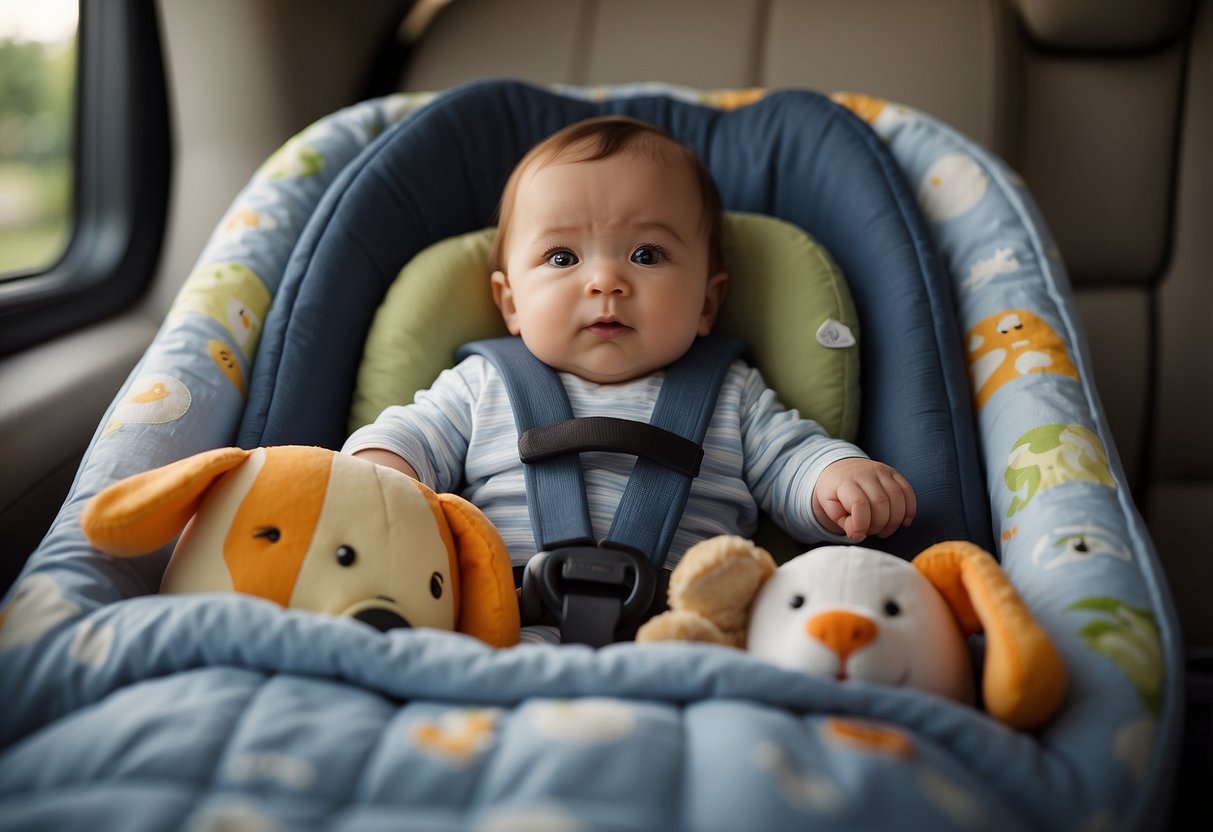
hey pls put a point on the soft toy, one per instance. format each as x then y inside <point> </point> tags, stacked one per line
<point>849,612</point>
<point>318,530</point>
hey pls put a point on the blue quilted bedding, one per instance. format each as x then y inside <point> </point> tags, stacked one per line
<point>171,713</point>
<point>129,710</point>
<point>167,713</point>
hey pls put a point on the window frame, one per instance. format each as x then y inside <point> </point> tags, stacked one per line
<point>121,161</point>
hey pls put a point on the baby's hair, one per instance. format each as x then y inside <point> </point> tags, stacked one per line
<point>607,136</point>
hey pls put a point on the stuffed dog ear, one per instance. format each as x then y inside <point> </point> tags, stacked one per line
<point>1024,680</point>
<point>141,513</point>
<point>488,604</point>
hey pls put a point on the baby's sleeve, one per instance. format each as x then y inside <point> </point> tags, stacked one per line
<point>783,455</point>
<point>433,432</point>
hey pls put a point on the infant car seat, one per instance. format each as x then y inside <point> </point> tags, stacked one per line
<point>950,269</point>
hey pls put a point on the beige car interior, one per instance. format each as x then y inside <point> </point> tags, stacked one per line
<point>1105,109</point>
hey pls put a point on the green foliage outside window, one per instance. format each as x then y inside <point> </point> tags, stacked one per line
<point>37,110</point>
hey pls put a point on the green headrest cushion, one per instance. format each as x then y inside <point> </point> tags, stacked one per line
<point>784,292</point>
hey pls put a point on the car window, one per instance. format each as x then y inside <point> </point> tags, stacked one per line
<point>85,187</point>
<point>37,115</point>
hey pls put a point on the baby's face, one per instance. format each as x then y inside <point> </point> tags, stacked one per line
<point>606,265</point>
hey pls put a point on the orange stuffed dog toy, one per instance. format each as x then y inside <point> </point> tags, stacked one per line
<point>318,530</point>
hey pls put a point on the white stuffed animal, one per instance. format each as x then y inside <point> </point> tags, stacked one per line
<point>853,613</point>
<point>848,612</point>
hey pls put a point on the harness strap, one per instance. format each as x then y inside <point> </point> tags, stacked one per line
<point>560,513</point>
<point>657,491</point>
<point>652,504</point>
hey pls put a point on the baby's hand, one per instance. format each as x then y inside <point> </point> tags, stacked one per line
<point>858,497</point>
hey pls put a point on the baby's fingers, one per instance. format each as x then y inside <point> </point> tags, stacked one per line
<point>903,504</point>
<point>859,510</point>
<point>911,499</point>
<point>836,512</point>
<point>894,498</point>
<point>895,491</point>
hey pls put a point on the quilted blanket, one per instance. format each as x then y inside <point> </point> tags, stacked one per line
<point>227,712</point>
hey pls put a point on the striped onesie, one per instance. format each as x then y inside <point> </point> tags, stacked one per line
<point>460,435</point>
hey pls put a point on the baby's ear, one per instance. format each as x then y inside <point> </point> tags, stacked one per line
<point>713,296</point>
<point>503,296</point>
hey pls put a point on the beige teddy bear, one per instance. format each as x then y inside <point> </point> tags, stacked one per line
<point>711,592</point>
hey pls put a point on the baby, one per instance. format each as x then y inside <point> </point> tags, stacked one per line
<point>607,263</point>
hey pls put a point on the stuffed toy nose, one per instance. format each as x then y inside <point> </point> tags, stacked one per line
<point>841,631</point>
<point>382,619</point>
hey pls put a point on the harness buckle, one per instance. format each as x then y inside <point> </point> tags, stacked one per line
<point>597,594</point>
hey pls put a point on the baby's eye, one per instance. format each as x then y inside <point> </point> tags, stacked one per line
<point>648,255</point>
<point>561,258</point>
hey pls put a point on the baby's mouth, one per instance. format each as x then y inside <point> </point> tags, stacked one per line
<point>608,328</point>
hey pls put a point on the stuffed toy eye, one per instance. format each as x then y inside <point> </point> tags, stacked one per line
<point>268,533</point>
<point>436,585</point>
<point>796,602</point>
<point>346,555</point>
<point>892,608</point>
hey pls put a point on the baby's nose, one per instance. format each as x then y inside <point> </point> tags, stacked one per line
<point>607,280</point>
